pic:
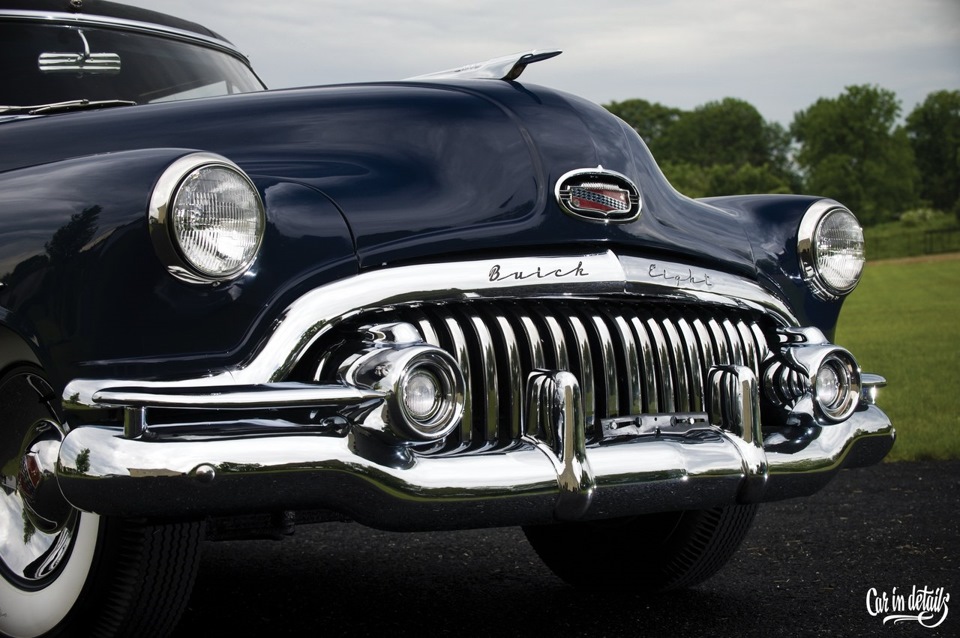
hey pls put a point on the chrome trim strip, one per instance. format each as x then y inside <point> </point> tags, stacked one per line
<point>274,395</point>
<point>582,276</point>
<point>149,28</point>
<point>309,317</point>
<point>669,280</point>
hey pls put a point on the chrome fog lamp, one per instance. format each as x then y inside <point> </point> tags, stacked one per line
<point>424,389</point>
<point>831,249</point>
<point>836,386</point>
<point>430,395</point>
<point>815,377</point>
<point>206,219</point>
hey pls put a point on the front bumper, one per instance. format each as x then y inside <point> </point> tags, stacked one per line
<point>346,455</point>
<point>391,487</point>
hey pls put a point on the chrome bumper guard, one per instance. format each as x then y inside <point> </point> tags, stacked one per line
<point>721,459</point>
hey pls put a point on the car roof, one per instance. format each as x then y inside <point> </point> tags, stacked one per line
<point>114,11</point>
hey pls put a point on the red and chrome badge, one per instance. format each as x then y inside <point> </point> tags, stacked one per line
<point>599,195</point>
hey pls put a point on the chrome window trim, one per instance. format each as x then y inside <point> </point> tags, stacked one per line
<point>581,276</point>
<point>107,22</point>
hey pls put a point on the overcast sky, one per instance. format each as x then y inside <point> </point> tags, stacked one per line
<point>779,55</point>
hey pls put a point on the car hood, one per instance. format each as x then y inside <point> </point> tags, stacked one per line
<point>419,170</point>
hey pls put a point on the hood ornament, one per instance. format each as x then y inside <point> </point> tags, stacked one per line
<point>599,195</point>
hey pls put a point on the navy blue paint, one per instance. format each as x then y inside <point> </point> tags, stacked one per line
<point>398,172</point>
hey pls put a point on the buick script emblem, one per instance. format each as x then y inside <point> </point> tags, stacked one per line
<point>599,195</point>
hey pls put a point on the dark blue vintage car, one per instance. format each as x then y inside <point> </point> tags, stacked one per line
<point>449,302</point>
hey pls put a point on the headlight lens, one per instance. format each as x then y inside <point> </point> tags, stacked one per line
<point>217,221</point>
<point>839,250</point>
<point>207,219</point>
<point>831,249</point>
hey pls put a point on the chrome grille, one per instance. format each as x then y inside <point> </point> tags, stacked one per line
<point>630,359</point>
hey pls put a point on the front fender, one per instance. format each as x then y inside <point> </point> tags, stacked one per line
<point>773,222</point>
<point>82,281</point>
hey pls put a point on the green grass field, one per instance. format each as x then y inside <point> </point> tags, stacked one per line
<point>903,322</point>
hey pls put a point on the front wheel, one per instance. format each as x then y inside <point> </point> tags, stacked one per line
<point>651,553</point>
<point>69,573</point>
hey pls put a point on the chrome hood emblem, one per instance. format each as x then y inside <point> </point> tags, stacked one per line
<point>599,195</point>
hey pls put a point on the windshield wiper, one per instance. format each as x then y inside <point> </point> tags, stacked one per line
<point>63,107</point>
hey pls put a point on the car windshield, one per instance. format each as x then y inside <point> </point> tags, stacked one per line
<point>43,64</point>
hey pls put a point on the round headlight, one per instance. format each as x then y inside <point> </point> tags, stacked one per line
<point>207,219</point>
<point>831,249</point>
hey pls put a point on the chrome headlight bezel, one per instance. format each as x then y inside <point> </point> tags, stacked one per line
<point>812,252</point>
<point>175,257</point>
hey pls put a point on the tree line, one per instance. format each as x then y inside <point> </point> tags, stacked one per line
<point>852,148</point>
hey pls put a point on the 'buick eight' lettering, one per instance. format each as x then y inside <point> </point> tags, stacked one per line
<point>656,272</point>
<point>558,273</point>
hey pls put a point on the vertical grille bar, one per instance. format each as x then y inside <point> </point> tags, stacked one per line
<point>664,375</point>
<point>608,368</point>
<point>560,354</point>
<point>631,378</point>
<point>588,380</point>
<point>651,403</point>
<point>736,347</point>
<point>749,348</point>
<point>513,388</point>
<point>462,354</point>
<point>490,398</point>
<point>629,359</point>
<point>679,365</point>
<point>719,342</point>
<point>696,368</point>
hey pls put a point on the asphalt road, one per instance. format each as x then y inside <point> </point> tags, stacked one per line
<point>805,570</point>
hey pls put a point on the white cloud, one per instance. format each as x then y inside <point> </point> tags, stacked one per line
<point>780,55</point>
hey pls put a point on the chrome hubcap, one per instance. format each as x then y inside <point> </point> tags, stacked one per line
<point>37,524</point>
